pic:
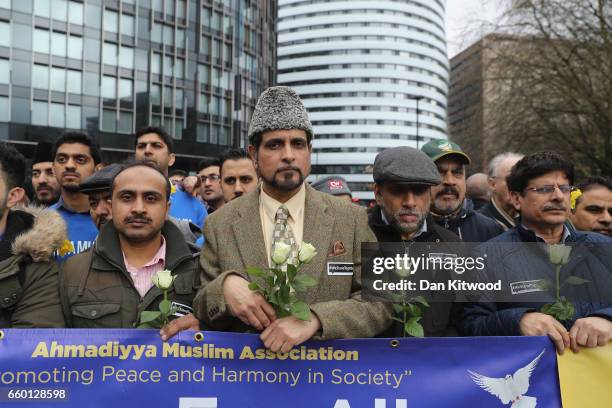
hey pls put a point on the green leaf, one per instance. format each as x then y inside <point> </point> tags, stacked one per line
<point>273,299</point>
<point>545,284</point>
<point>574,280</point>
<point>398,308</point>
<point>283,295</point>
<point>165,306</point>
<point>302,282</point>
<point>397,320</point>
<point>414,310</point>
<point>147,326</point>
<point>148,316</point>
<point>300,310</point>
<point>414,328</point>
<point>254,286</point>
<point>291,272</point>
<point>256,272</point>
<point>270,280</point>
<point>421,300</point>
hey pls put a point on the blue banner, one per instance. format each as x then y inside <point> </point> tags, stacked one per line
<point>133,368</point>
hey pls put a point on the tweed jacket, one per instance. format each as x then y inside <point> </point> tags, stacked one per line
<point>234,241</point>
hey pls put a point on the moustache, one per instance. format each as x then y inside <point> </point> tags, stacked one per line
<point>139,218</point>
<point>289,168</point>
<point>43,185</point>
<point>408,212</point>
<point>448,190</point>
<point>70,173</point>
<point>554,207</point>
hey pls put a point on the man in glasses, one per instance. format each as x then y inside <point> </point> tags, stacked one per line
<point>210,187</point>
<point>540,185</point>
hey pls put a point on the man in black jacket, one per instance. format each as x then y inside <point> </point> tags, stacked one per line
<point>449,207</point>
<point>403,179</point>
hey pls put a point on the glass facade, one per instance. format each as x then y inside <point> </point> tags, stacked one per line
<point>110,67</point>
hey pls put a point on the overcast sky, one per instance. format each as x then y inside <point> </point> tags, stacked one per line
<point>464,19</point>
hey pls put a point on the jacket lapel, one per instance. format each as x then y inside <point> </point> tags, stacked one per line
<point>318,227</point>
<point>248,232</point>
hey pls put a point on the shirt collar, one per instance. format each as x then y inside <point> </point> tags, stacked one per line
<point>295,204</point>
<point>501,212</point>
<point>420,232</point>
<point>62,204</point>
<point>159,257</point>
<point>566,234</point>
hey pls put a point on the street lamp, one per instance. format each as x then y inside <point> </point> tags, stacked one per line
<point>417,98</point>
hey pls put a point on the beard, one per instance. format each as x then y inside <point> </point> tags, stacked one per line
<point>286,182</point>
<point>444,206</point>
<point>403,227</point>
<point>71,187</point>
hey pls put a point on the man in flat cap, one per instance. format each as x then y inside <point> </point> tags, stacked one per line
<point>44,182</point>
<point>403,179</point>
<point>334,185</point>
<point>449,206</point>
<point>286,210</point>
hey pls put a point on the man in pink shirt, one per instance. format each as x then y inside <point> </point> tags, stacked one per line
<point>109,285</point>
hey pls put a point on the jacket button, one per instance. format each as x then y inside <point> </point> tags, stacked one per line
<point>94,313</point>
<point>14,296</point>
<point>6,300</point>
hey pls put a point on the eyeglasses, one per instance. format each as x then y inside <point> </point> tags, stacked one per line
<point>212,178</point>
<point>564,188</point>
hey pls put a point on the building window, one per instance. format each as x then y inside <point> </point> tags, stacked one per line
<point>39,113</point>
<point>125,122</point>
<point>58,44</point>
<point>111,21</point>
<point>41,8</point>
<point>126,57</point>
<point>109,88</point>
<point>58,79</point>
<point>109,122</point>
<point>156,63</point>
<point>204,74</point>
<point>109,54</point>
<point>5,34</point>
<point>204,101</point>
<point>40,41</point>
<point>59,9</point>
<point>158,5</point>
<point>125,90</point>
<point>40,76</point>
<point>127,25</point>
<point>4,109</point>
<point>5,71</point>
<point>75,13</point>
<point>203,133</point>
<point>73,117</point>
<point>57,115</point>
<point>75,47</point>
<point>168,35</point>
<point>74,79</point>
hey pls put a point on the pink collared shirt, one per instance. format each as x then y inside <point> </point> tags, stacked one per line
<point>142,276</point>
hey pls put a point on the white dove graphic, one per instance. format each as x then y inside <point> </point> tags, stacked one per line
<point>511,388</point>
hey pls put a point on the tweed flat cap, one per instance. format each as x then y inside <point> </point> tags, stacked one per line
<point>334,185</point>
<point>100,180</point>
<point>279,107</point>
<point>405,165</point>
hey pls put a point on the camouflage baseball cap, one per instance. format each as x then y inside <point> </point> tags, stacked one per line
<point>437,149</point>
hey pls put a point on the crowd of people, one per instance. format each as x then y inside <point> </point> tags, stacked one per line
<point>84,255</point>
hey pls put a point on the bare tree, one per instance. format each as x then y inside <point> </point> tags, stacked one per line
<point>549,81</point>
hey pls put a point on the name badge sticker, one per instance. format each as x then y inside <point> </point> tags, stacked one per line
<point>517,288</point>
<point>340,268</point>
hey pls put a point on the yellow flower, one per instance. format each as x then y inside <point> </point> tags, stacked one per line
<point>66,248</point>
<point>574,196</point>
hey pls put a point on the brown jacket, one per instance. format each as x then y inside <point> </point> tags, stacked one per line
<point>234,241</point>
<point>98,292</point>
<point>29,296</point>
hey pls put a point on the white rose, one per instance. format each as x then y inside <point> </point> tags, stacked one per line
<point>163,279</point>
<point>558,254</point>
<point>307,252</point>
<point>281,253</point>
